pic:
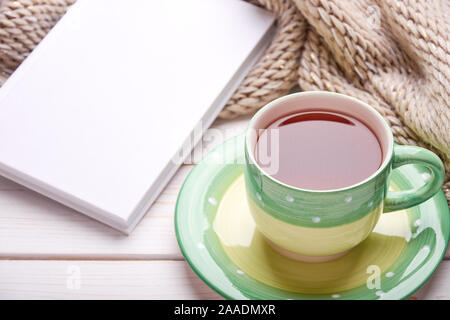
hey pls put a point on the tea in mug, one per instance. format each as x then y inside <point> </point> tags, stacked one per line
<point>321,150</point>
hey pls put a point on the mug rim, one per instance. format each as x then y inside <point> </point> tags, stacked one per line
<point>386,161</point>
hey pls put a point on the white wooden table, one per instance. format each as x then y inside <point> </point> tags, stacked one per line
<point>48,251</point>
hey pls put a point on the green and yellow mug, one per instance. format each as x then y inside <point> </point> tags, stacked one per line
<point>316,226</point>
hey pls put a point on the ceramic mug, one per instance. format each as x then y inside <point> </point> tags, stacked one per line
<point>320,225</point>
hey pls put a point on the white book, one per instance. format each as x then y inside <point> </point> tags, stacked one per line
<point>93,117</point>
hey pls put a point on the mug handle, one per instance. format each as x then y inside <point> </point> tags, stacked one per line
<point>397,200</point>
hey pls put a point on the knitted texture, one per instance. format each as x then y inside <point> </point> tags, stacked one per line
<point>394,55</point>
<point>23,24</point>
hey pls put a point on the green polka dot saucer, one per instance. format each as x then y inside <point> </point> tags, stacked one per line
<point>220,241</point>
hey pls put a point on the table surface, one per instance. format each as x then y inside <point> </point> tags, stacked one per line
<point>48,251</point>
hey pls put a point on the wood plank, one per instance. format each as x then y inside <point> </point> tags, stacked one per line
<point>32,226</point>
<point>27,279</point>
<point>101,280</point>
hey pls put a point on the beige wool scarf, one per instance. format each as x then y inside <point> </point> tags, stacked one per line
<point>392,54</point>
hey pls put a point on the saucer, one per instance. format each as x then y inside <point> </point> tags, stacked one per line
<point>219,239</point>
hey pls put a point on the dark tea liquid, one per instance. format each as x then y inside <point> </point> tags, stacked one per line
<point>320,150</point>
